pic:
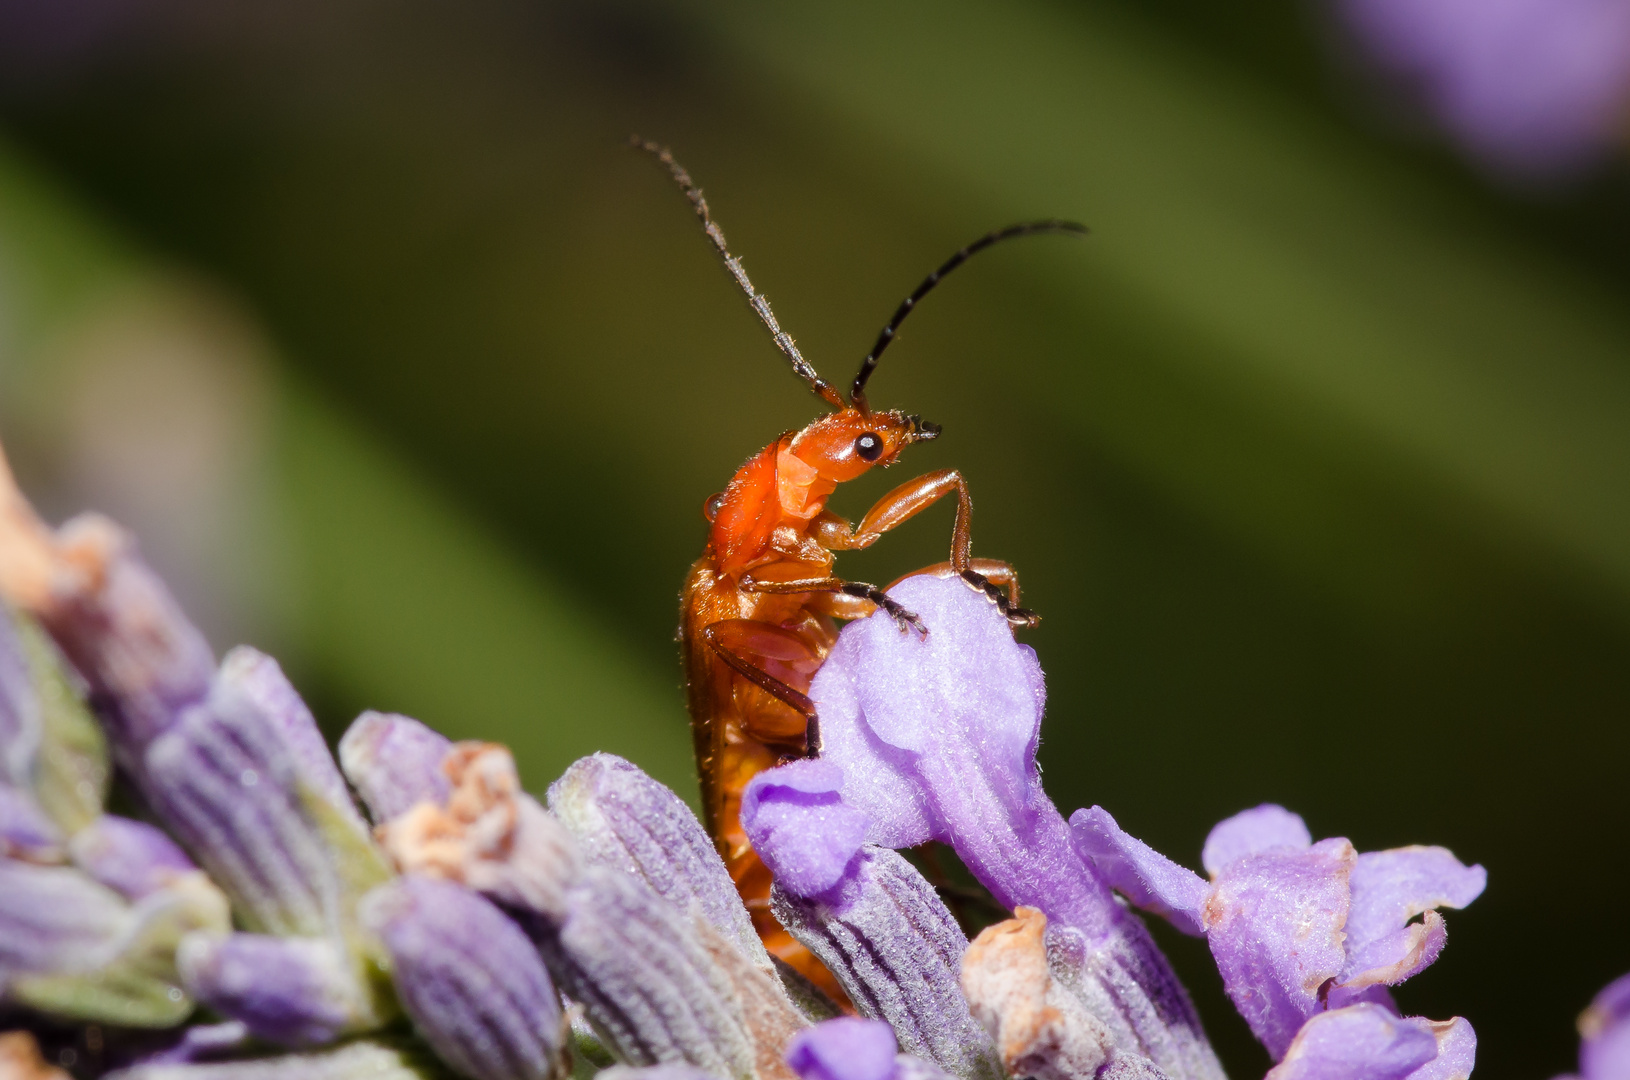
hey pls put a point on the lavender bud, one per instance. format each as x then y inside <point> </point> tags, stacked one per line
<point>897,951</point>
<point>123,630</point>
<point>130,856</point>
<point>648,986</point>
<point>847,1048</point>
<point>289,991</point>
<point>622,818</point>
<point>394,762</point>
<point>19,706</point>
<point>363,1060</point>
<point>472,982</point>
<point>74,948</point>
<point>238,780</point>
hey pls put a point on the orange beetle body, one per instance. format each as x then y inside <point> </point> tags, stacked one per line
<point>758,608</point>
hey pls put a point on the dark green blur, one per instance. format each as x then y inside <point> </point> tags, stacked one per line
<point>1315,456</point>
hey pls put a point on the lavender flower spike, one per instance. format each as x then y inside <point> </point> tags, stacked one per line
<point>937,741</point>
<point>470,979</point>
<point>394,762</point>
<point>867,914</point>
<point>1297,928</point>
<point>622,818</point>
<point>1604,1034</point>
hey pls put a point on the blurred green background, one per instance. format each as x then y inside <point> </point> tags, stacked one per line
<point>1315,456</point>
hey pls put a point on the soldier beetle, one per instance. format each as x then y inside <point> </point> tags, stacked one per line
<point>758,608</point>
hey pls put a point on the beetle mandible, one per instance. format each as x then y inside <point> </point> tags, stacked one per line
<point>758,608</point>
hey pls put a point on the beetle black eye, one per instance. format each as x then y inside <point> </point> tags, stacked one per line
<point>869,447</point>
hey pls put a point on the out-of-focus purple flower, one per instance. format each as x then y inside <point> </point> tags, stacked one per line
<point>1533,87</point>
<point>1370,1042</point>
<point>672,1071</point>
<point>848,1048</point>
<point>1296,927</point>
<point>1604,1034</point>
<point>130,856</point>
<point>623,818</point>
<point>936,740</point>
<point>394,762</point>
<point>25,831</point>
<point>469,978</point>
<point>867,914</point>
<point>287,990</point>
<point>237,778</point>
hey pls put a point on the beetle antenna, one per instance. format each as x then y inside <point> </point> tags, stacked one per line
<point>857,392</point>
<point>757,300</point>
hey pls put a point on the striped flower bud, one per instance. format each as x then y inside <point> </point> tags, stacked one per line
<point>394,762</point>
<point>469,978</point>
<point>363,1060</point>
<point>290,991</point>
<point>624,819</point>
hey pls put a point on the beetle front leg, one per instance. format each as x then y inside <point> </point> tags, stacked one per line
<point>907,501</point>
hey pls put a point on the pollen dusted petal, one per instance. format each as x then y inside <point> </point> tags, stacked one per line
<point>1140,873</point>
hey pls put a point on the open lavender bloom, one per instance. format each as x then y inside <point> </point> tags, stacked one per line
<point>1299,930</point>
<point>936,740</point>
<point>1604,1034</point>
<point>1532,87</point>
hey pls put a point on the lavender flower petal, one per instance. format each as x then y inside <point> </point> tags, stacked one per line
<point>897,952</point>
<point>1604,1029</point>
<point>130,856</point>
<point>362,1060</point>
<point>1263,828</point>
<point>1391,887</point>
<point>623,818</point>
<point>1362,1042</point>
<point>250,681</point>
<point>469,978</point>
<point>290,991</point>
<point>1457,1050</point>
<point>125,633</point>
<point>394,762</point>
<point>1275,929</point>
<point>1138,872</point>
<point>848,1048</point>
<point>800,824</point>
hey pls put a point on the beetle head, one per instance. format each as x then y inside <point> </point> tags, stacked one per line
<point>846,443</point>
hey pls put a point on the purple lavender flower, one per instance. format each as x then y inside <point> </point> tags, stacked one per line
<point>1533,87</point>
<point>936,740</point>
<point>849,1048</point>
<point>1368,1041</point>
<point>368,1059</point>
<point>474,986</point>
<point>1297,928</point>
<point>287,990</point>
<point>131,857</point>
<point>1604,1034</point>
